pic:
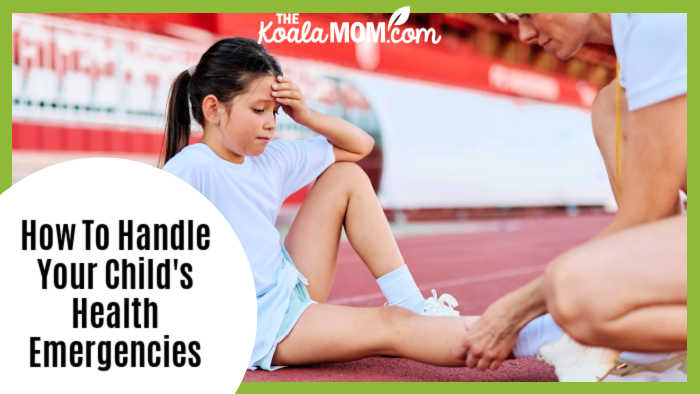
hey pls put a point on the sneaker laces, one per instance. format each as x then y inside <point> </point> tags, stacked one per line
<point>662,368</point>
<point>440,306</point>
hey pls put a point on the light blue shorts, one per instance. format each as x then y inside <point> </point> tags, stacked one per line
<point>272,329</point>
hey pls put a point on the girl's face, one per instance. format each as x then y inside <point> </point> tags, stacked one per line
<point>249,124</point>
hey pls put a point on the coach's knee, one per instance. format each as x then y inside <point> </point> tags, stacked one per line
<point>570,292</point>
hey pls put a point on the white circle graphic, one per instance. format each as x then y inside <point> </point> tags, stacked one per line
<point>118,277</point>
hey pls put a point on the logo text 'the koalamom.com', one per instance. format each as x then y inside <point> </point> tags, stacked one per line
<point>290,29</point>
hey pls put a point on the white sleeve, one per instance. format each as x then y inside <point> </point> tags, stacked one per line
<point>652,51</point>
<point>302,161</point>
<point>188,173</point>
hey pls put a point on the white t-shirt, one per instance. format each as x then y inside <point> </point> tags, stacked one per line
<point>250,195</point>
<point>652,50</point>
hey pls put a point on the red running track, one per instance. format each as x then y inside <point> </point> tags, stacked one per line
<point>476,267</point>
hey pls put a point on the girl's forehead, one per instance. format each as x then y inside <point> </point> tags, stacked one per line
<point>260,88</point>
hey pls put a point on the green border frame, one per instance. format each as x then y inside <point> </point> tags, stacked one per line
<point>375,6</point>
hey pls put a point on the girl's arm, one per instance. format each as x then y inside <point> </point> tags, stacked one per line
<point>350,143</point>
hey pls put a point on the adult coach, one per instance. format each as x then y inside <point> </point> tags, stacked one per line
<point>626,288</point>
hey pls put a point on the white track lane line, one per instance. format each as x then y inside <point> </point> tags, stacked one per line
<point>439,285</point>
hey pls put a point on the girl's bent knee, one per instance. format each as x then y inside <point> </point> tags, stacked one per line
<point>345,171</point>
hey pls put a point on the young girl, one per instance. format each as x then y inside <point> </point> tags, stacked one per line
<point>234,92</point>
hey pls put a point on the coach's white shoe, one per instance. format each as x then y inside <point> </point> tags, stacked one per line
<point>670,369</point>
<point>574,362</point>
<point>443,306</point>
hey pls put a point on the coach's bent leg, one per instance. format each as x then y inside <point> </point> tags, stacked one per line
<point>626,291</point>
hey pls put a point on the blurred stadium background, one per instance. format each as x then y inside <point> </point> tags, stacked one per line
<point>479,125</point>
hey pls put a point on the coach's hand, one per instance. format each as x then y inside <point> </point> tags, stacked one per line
<point>490,339</point>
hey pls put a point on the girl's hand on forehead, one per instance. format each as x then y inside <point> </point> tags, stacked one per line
<point>288,95</point>
<point>350,143</point>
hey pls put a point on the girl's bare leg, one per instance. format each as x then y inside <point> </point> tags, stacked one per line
<point>342,195</point>
<point>328,332</point>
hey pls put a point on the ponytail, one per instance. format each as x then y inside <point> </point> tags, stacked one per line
<point>177,130</point>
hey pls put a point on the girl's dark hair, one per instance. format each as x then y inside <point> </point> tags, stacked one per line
<point>225,70</point>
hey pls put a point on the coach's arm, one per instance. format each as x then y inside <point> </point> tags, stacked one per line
<point>653,171</point>
<point>653,164</point>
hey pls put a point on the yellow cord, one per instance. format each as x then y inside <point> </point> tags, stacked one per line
<point>618,133</point>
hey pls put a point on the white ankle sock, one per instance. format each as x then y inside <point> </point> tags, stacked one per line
<point>544,330</point>
<point>400,289</point>
<point>538,332</point>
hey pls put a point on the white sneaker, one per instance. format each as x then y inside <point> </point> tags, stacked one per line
<point>670,369</point>
<point>443,306</point>
<point>574,362</point>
